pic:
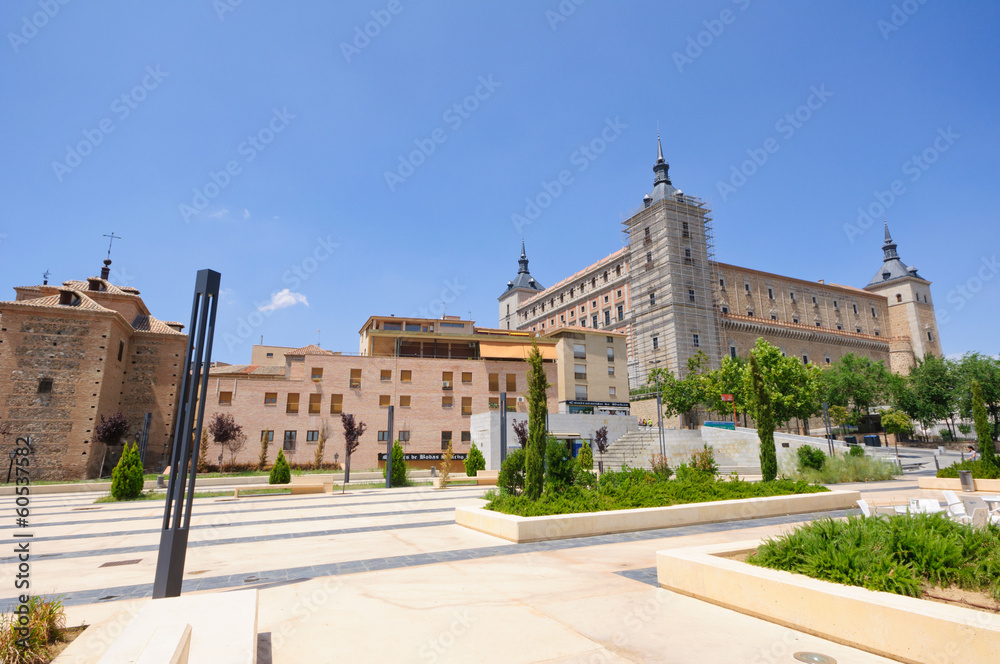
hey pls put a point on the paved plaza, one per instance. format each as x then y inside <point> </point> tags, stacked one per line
<point>387,576</point>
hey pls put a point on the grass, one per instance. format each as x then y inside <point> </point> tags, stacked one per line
<point>840,469</point>
<point>905,555</point>
<point>980,470</point>
<point>636,488</point>
<point>161,495</point>
<point>46,624</point>
<point>237,473</point>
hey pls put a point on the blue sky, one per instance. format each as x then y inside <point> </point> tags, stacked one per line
<point>275,143</point>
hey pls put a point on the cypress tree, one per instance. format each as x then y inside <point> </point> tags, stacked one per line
<point>765,422</point>
<point>986,448</point>
<point>538,383</point>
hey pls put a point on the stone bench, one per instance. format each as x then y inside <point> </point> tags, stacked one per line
<point>487,477</point>
<point>311,484</point>
<point>216,628</point>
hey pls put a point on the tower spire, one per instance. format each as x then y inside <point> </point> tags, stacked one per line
<point>662,168</point>
<point>522,264</point>
<point>889,248</point>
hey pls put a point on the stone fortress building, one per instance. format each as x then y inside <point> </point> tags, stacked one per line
<point>70,354</point>
<point>668,294</point>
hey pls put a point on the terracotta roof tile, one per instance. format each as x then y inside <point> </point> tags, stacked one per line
<point>311,349</point>
<point>154,325</point>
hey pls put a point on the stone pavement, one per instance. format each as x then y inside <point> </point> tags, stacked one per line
<point>378,576</point>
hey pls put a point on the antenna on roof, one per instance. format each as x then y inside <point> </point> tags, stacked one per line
<point>45,277</point>
<point>113,238</point>
<point>319,338</point>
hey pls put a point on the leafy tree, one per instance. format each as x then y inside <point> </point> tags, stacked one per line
<point>727,379</point>
<point>841,417</point>
<point>111,431</point>
<point>762,388</point>
<point>353,430</point>
<point>281,473</point>
<point>227,433</point>
<point>601,442</point>
<point>986,448</point>
<point>521,431</point>
<point>986,370</point>
<point>446,465</point>
<point>203,453</point>
<point>321,448</point>
<point>585,458</point>
<point>680,396</point>
<point>855,382</point>
<point>933,383</point>
<point>474,461</point>
<point>126,478</point>
<point>793,387</point>
<point>559,466</point>
<point>398,465</point>
<point>510,479</point>
<point>896,422</point>
<point>534,464</point>
<point>265,440</point>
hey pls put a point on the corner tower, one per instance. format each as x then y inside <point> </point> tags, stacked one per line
<point>519,289</point>
<point>911,308</point>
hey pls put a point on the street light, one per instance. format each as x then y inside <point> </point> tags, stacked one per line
<point>659,406</point>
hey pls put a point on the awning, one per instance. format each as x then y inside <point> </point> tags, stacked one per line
<point>513,351</point>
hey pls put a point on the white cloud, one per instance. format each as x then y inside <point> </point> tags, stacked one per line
<point>219,214</point>
<point>282,299</point>
<point>246,214</point>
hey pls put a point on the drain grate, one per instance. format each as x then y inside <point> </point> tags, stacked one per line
<point>107,597</point>
<point>116,563</point>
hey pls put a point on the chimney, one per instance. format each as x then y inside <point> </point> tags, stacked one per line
<point>106,270</point>
<point>66,297</point>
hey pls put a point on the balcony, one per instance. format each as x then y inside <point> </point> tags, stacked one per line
<point>446,385</point>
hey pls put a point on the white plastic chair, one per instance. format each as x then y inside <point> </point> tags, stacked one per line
<point>956,508</point>
<point>925,506</point>
<point>865,509</point>
<point>975,505</point>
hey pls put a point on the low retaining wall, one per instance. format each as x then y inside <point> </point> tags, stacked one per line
<point>562,526</point>
<point>903,628</point>
<point>944,483</point>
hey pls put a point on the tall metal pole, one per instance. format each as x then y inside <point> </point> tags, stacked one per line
<point>503,427</point>
<point>144,437</point>
<point>826,422</point>
<point>659,407</point>
<point>187,437</point>
<point>388,454</point>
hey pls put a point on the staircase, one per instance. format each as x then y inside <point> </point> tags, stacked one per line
<point>633,449</point>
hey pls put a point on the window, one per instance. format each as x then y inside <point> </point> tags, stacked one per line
<point>795,320</point>
<point>405,376</point>
<point>404,401</point>
<point>899,298</point>
<point>607,317</point>
<point>511,383</point>
<point>874,314</point>
<point>446,380</point>
<point>732,351</point>
<point>593,305</point>
<point>270,398</point>
<point>621,312</point>
<point>791,294</point>
<point>855,310</point>
<point>770,293</point>
<point>774,317</point>
<point>656,343</point>
<point>687,257</point>
<point>836,305</point>
<point>581,392</point>
<point>647,236</point>
<point>580,371</point>
<point>722,283</point>
<point>494,402</point>
<point>447,402</point>
<point>611,391</point>
<point>652,299</point>
<point>746,286</point>
<point>45,386</point>
<point>270,354</point>
<point>749,313</point>
<point>685,231</point>
<point>121,350</point>
<point>583,310</point>
<point>725,309</point>
<point>611,354</point>
<point>819,324</point>
<point>336,404</point>
<point>696,340</point>
<point>355,379</point>
<point>466,436</point>
<point>404,436</point>
<point>690,295</point>
<point>312,436</point>
<point>930,337</point>
<point>315,401</point>
<point>562,318</point>
<point>579,351</point>
<point>467,378</point>
<point>292,403</point>
<point>225,398</point>
<point>494,382</point>
<point>618,273</point>
<point>827,359</point>
<point>466,405</point>
<point>288,444</point>
<point>392,327</point>
<point>383,436</point>
<point>805,359</point>
<point>317,373</point>
<point>445,439</point>
<point>267,434</point>
<point>384,399</point>
<point>606,299</point>
<point>595,321</point>
<point>611,372</point>
<point>858,330</point>
<point>839,326</point>
<point>814,300</point>
<point>385,375</point>
<point>877,333</point>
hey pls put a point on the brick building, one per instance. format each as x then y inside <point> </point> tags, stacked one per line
<point>435,373</point>
<point>667,293</point>
<point>72,353</point>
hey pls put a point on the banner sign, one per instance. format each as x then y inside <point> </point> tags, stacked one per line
<point>426,456</point>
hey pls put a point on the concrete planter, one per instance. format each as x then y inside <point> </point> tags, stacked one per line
<point>946,483</point>
<point>535,529</point>
<point>902,628</point>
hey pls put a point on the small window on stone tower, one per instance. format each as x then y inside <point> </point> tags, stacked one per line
<point>45,386</point>
<point>899,298</point>
<point>121,350</point>
<point>930,337</point>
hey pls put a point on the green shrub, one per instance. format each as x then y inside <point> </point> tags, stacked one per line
<point>281,473</point>
<point>946,435</point>
<point>46,622</point>
<point>848,468</point>
<point>900,554</point>
<point>474,461</point>
<point>981,470</point>
<point>399,477</point>
<point>856,451</point>
<point>704,461</point>
<point>660,468</point>
<point>559,465</point>
<point>510,479</point>
<point>585,457</point>
<point>126,478</point>
<point>810,457</point>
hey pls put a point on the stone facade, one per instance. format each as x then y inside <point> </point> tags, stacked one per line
<point>74,353</point>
